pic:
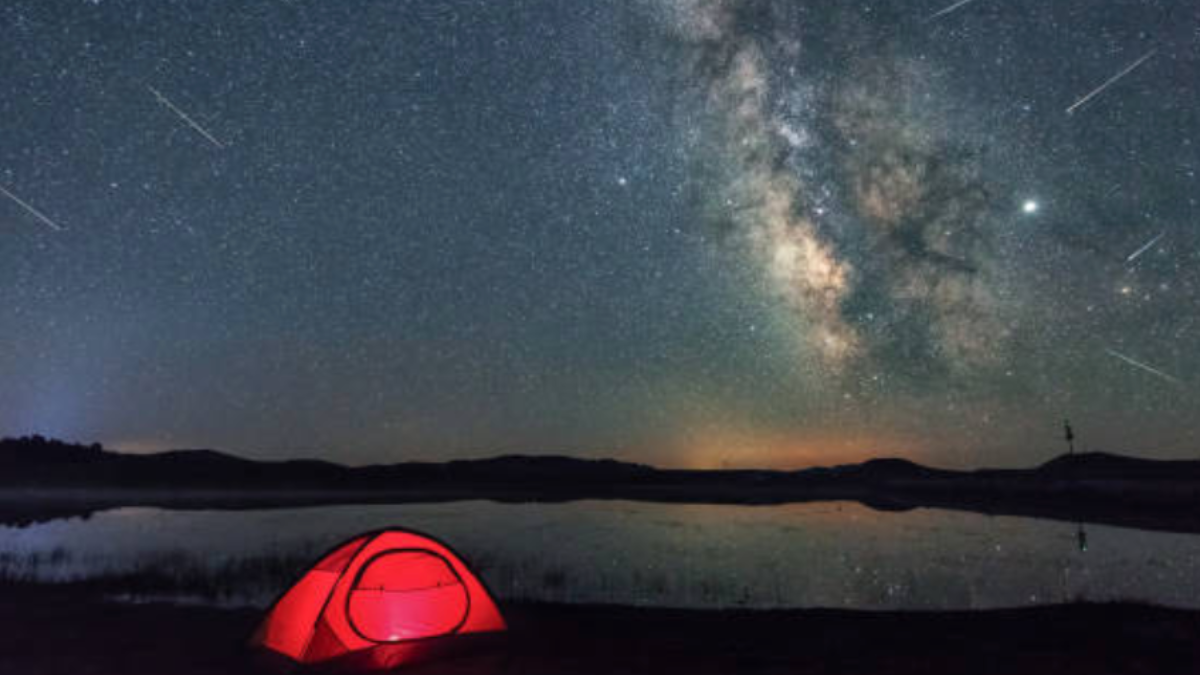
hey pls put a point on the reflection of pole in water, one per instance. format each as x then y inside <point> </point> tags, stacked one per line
<point>1072,563</point>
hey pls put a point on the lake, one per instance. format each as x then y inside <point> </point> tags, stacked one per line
<point>840,555</point>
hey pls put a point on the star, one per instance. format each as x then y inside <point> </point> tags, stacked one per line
<point>763,206</point>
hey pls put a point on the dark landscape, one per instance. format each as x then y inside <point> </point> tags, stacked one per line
<point>68,630</point>
<point>92,626</point>
<point>43,479</point>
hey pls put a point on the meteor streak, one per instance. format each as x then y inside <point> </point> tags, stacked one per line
<point>1111,81</point>
<point>1136,254</point>
<point>947,10</point>
<point>185,117</point>
<point>1138,364</point>
<point>36,214</point>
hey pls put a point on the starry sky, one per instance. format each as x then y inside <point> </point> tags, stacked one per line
<point>694,233</point>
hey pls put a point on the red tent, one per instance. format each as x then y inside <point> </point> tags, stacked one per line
<point>378,601</point>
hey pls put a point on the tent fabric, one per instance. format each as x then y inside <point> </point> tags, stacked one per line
<point>380,600</point>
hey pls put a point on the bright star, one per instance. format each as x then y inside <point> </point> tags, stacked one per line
<point>1030,206</point>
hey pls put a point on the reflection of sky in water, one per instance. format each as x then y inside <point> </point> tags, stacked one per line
<point>806,555</point>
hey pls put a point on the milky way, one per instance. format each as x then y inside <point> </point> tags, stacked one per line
<point>898,223</point>
<point>868,223</point>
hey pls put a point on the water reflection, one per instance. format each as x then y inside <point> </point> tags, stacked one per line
<point>801,555</point>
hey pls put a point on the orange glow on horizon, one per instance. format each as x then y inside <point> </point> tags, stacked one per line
<point>782,450</point>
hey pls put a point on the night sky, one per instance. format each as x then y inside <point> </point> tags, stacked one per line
<point>696,233</point>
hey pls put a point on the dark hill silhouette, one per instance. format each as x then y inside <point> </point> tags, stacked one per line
<point>888,468</point>
<point>1099,465</point>
<point>42,478</point>
<point>38,450</point>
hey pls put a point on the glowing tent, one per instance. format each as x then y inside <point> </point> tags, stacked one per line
<point>380,600</point>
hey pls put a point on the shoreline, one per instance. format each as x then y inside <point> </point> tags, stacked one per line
<point>43,479</point>
<point>27,506</point>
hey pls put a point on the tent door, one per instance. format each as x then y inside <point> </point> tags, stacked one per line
<point>407,594</point>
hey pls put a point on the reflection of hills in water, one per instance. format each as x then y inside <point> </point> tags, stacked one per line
<point>42,479</point>
<point>705,556</point>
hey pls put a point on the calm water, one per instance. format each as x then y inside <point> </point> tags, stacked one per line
<point>807,555</point>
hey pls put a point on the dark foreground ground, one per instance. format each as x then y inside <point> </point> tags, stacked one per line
<point>58,629</point>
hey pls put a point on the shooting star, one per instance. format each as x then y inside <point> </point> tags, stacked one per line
<point>1138,364</point>
<point>184,116</point>
<point>1150,244</point>
<point>947,10</point>
<point>1111,81</point>
<point>36,214</point>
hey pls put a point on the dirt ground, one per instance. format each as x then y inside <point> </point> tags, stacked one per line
<point>61,630</point>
